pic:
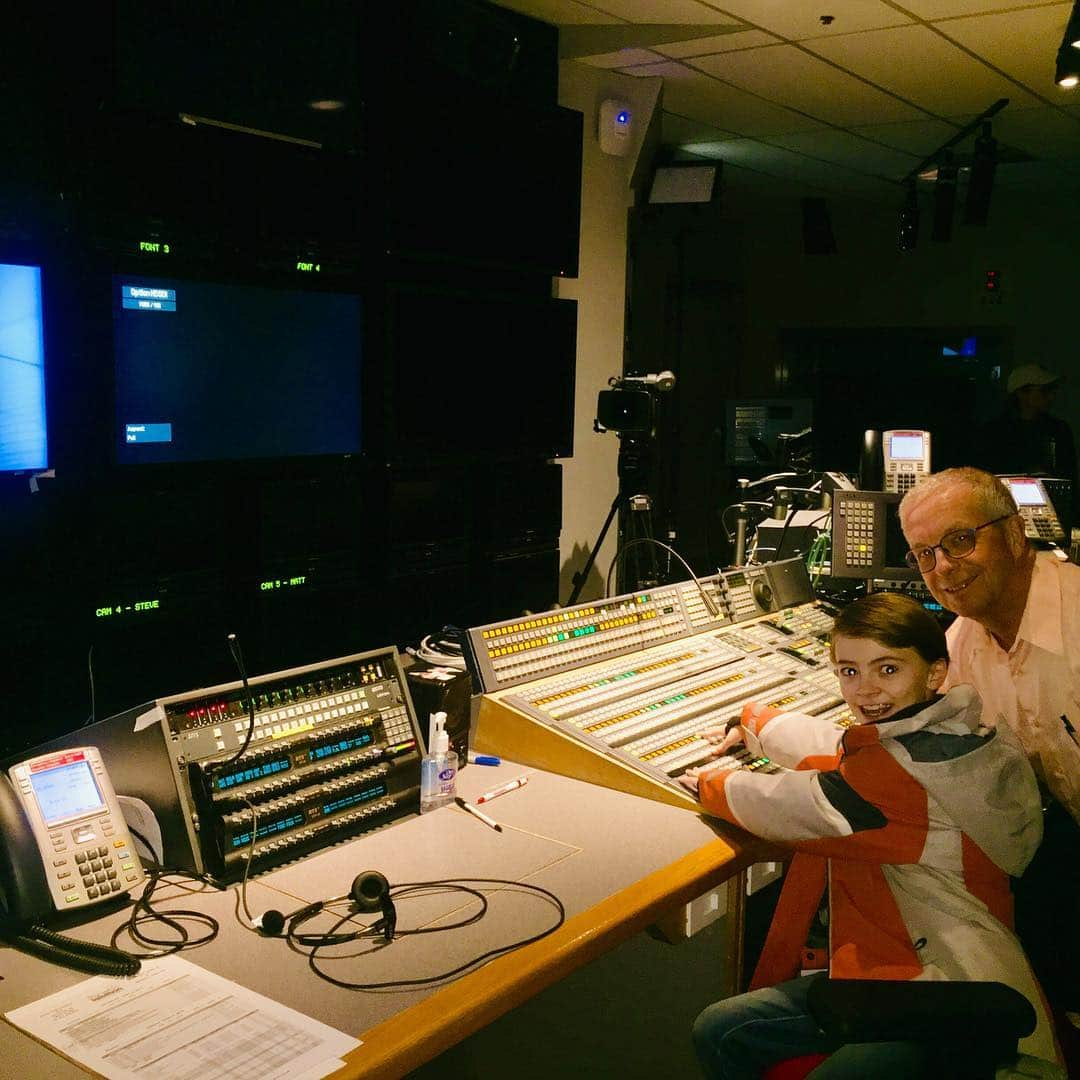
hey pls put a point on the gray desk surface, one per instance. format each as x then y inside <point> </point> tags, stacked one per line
<point>616,861</point>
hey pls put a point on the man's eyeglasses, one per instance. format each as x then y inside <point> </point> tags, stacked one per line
<point>957,545</point>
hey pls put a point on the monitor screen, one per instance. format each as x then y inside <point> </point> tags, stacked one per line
<point>209,371</point>
<point>907,446</point>
<point>23,430</point>
<point>477,373</point>
<point>1026,492</point>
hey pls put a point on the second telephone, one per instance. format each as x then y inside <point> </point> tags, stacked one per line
<point>65,842</point>
<point>906,459</point>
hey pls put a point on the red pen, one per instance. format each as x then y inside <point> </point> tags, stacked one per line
<point>494,793</point>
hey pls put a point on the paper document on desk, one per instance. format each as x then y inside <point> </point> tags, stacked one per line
<point>176,1021</point>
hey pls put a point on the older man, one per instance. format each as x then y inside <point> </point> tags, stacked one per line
<point>1017,640</point>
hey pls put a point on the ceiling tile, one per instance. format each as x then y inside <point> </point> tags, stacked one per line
<point>947,9</point>
<point>746,39</point>
<point>798,19</point>
<point>749,153</point>
<point>699,97</point>
<point>558,12</point>
<point>676,131</point>
<point>662,11</point>
<point>623,58</point>
<point>931,73</point>
<point>1043,133</point>
<point>850,151</point>
<point>918,137</point>
<point>784,73</point>
<point>994,38</point>
<point>1038,177</point>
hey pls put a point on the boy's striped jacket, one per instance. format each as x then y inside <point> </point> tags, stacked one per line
<point>915,823</point>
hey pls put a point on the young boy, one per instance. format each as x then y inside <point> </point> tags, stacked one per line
<point>915,817</point>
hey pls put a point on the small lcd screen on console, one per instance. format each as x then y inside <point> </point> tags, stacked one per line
<point>1026,493</point>
<point>208,371</point>
<point>906,447</point>
<point>66,790</point>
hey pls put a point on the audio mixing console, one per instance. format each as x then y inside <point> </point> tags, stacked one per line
<point>619,691</point>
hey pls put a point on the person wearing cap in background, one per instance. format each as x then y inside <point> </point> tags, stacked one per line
<point>1024,439</point>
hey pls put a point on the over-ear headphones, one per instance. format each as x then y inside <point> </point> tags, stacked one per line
<point>370,892</point>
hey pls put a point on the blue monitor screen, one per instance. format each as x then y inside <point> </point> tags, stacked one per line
<point>208,371</point>
<point>23,432</point>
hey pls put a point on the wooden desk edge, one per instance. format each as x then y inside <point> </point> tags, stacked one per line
<point>411,1038</point>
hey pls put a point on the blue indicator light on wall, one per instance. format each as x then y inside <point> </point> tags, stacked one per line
<point>623,117</point>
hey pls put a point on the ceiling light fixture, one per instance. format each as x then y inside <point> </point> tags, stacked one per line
<point>944,198</point>
<point>981,178</point>
<point>1067,73</point>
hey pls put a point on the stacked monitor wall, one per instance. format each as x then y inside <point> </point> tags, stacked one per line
<point>24,442</point>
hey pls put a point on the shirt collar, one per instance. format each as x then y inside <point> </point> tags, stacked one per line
<point>1041,622</point>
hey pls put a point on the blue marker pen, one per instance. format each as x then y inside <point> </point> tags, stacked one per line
<point>483,759</point>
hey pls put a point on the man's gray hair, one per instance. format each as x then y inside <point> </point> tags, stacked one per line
<point>991,494</point>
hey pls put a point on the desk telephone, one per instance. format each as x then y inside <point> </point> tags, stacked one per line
<point>1036,510</point>
<point>65,846</point>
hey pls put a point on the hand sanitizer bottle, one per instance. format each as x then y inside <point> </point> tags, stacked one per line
<point>438,769</point>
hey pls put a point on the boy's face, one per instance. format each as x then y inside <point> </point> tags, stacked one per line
<point>877,680</point>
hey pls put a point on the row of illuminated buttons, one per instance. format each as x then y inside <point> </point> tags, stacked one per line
<point>558,617</point>
<point>270,730</point>
<point>573,653</point>
<point>555,644</point>
<point>270,719</point>
<point>660,666</point>
<point>555,687</point>
<point>646,627</point>
<point>300,711</point>
<point>693,678</point>
<point>607,682</point>
<point>536,624</point>
<point>523,642</point>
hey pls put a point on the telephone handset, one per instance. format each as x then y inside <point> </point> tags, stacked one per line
<point>64,846</point>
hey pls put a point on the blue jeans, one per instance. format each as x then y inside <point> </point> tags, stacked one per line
<point>736,1039</point>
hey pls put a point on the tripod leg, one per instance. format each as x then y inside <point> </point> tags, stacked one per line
<point>582,575</point>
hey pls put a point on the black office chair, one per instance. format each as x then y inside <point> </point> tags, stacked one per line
<point>970,1027</point>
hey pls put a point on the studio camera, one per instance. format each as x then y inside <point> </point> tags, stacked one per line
<point>629,406</point>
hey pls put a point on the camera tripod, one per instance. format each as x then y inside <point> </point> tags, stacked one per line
<point>637,524</point>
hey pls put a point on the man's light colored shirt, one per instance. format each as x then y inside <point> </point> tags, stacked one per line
<point>1035,686</point>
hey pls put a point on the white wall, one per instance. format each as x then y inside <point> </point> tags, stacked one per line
<point>590,480</point>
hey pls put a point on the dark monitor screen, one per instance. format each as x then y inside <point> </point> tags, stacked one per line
<point>208,371</point>
<point>24,444</point>
<point>477,373</point>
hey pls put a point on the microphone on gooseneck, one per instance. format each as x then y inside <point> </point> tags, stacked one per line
<point>238,659</point>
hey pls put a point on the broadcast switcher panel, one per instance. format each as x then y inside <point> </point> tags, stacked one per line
<point>619,691</point>
<point>334,751</point>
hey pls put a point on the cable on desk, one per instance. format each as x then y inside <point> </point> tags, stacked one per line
<point>143,911</point>
<point>300,942</point>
